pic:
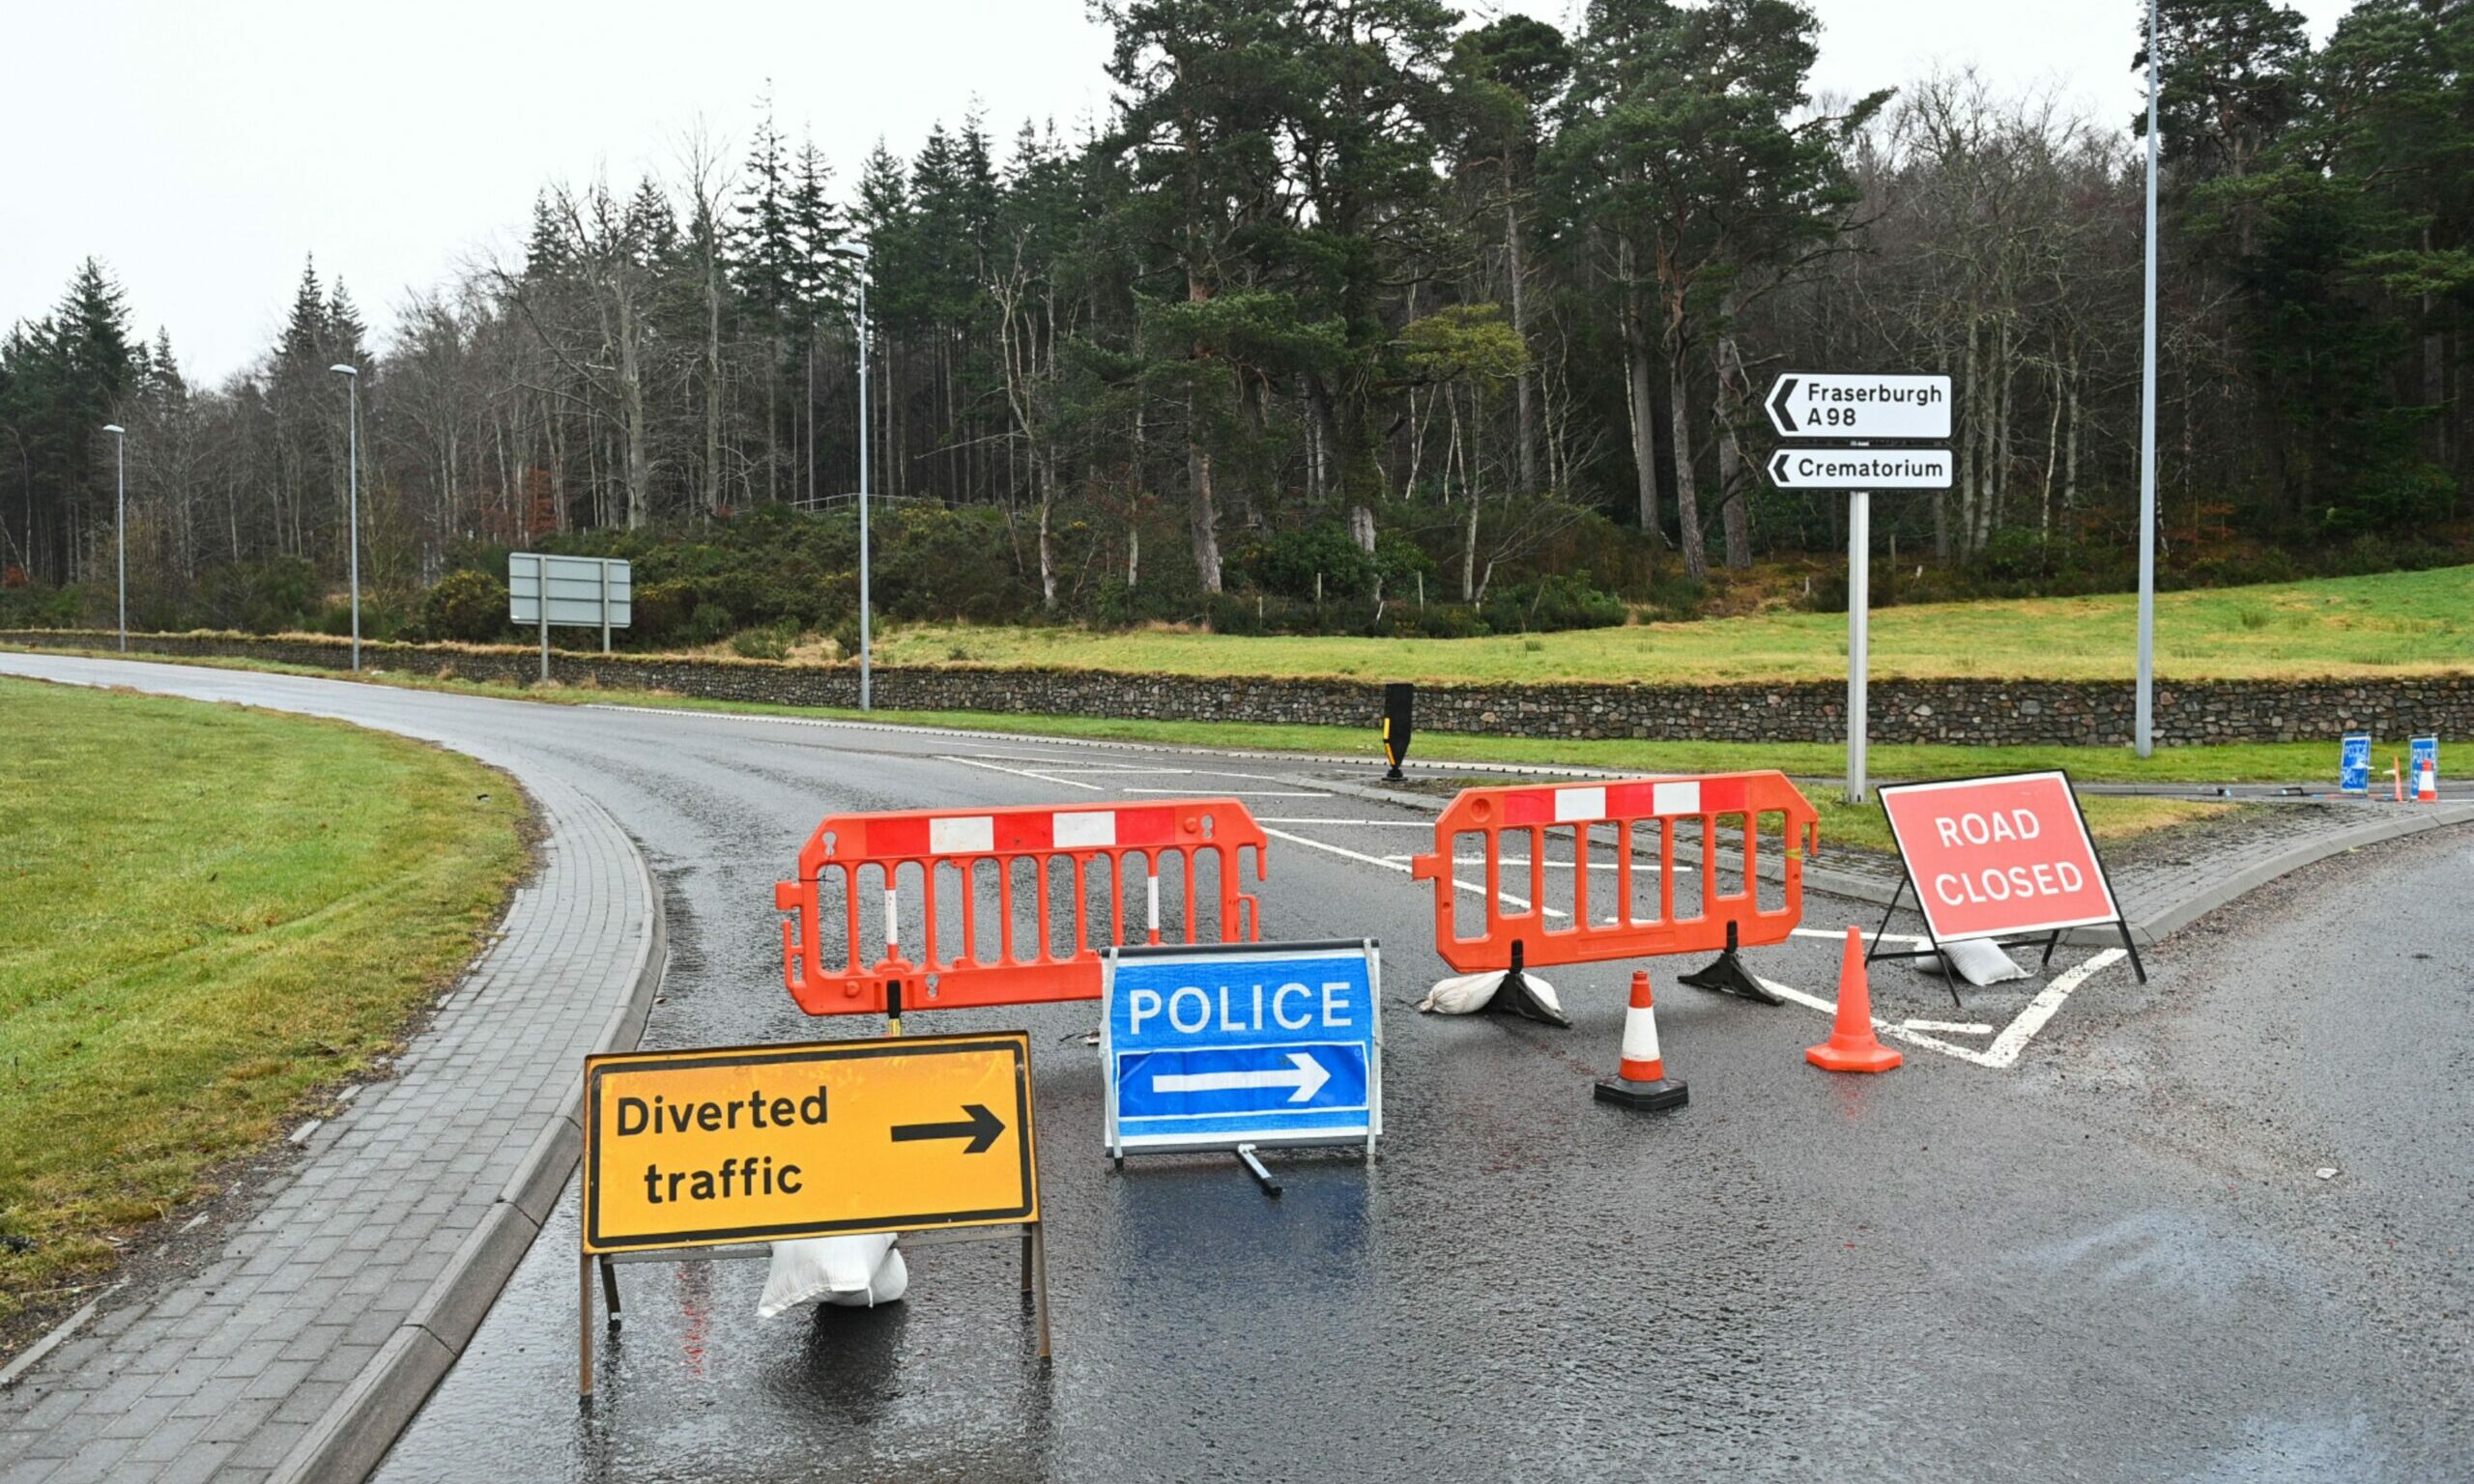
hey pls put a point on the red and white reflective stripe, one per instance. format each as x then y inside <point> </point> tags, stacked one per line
<point>1023,832</point>
<point>893,917</point>
<point>1649,798</point>
<point>1641,1046</point>
<point>976,835</point>
<point>1152,921</point>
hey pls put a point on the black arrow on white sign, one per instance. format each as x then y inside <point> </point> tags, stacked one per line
<point>1778,395</point>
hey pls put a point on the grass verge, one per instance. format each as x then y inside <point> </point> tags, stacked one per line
<point>208,912</point>
<point>2394,623</point>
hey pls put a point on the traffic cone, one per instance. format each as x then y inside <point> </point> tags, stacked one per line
<point>1851,1045</point>
<point>2397,778</point>
<point>1640,1080</point>
<point>2427,784</point>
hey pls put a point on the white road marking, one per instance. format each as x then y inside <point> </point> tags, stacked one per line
<point>1951,1027</point>
<point>1520,902</point>
<point>998,768</point>
<point>1225,793</point>
<point>2004,1051</point>
<point>1390,824</point>
<point>1839,934</point>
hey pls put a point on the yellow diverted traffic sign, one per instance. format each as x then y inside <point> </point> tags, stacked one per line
<point>700,1147</point>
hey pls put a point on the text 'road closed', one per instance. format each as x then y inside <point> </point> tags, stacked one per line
<point>759,1143</point>
<point>1992,856</point>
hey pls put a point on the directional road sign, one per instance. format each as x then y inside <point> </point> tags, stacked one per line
<point>586,592</point>
<point>1211,1046</point>
<point>699,1148</point>
<point>1809,404</point>
<point>2353,762</point>
<point>1860,469</point>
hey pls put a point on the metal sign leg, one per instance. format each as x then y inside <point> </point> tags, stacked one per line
<point>1253,1164</point>
<point>584,1327</point>
<point>1039,1272</point>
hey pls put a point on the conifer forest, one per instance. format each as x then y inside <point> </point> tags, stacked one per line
<point>1343,300</point>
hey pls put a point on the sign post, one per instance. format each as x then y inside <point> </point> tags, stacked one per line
<point>2007,859</point>
<point>1399,703</point>
<point>1240,1048</point>
<point>584,592</point>
<point>1805,404</point>
<point>719,1148</point>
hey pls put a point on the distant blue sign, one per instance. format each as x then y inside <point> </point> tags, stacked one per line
<point>2353,763</point>
<point>2425,750</point>
<point>1211,1046</point>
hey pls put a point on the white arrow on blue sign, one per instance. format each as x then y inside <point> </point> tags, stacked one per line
<point>1210,1046</point>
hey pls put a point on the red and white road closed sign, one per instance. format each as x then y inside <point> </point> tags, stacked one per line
<point>1995,856</point>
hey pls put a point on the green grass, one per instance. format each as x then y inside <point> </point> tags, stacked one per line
<point>207,913</point>
<point>2394,623</point>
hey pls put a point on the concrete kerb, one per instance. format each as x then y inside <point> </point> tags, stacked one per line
<point>348,1441</point>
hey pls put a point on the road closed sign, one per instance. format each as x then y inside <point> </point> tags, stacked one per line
<point>1211,1046</point>
<point>700,1147</point>
<point>1996,856</point>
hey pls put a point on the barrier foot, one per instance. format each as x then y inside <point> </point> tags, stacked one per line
<point>1664,1093</point>
<point>1727,975</point>
<point>1513,997</point>
<point>1254,1167</point>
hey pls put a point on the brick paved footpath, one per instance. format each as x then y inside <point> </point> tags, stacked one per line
<point>303,1349</point>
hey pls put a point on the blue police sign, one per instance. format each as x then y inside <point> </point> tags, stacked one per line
<point>2353,763</point>
<point>1211,1046</point>
<point>2424,751</point>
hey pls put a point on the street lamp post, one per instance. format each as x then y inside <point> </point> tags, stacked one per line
<point>120,522</point>
<point>863,494</point>
<point>2144,722</point>
<point>352,508</point>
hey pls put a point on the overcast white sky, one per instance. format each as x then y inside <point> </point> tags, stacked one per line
<point>201,150</point>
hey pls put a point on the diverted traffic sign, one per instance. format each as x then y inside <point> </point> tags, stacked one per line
<point>1807,404</point>
<point>700,1147</point>
<point>1860,469</point>
<point>1214,1046</point>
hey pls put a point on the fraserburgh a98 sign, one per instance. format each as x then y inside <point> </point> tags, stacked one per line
<point>686,1148</point>
<point>1822,403</point>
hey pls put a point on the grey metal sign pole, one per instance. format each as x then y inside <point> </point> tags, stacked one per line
<point>1859,406</point>
<point>2144,707</point>
<point>605,608</point>
<point>544,569</point>
<point>863,492</point>
<point>1860,603</point>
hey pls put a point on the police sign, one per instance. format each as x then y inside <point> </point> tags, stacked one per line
<point>1213,1046</point>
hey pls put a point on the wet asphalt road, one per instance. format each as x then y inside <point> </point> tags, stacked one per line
<point>2110,1261</point>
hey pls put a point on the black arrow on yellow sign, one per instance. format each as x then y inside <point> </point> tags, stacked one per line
<point>980,1126</point>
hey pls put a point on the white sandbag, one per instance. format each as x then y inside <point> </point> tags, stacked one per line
<point>1464,994</point>
<point>1979,961</point>
<point>855,1272</point>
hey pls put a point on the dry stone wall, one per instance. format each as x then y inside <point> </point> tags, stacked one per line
<point>1973,712</point>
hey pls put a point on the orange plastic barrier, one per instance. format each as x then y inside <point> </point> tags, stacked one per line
<point>1583,926</point>
<point>1062,846</point>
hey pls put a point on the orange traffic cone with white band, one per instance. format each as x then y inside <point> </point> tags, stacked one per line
<point>1640,1081</point>
<point>2427,784</point>
<point>1851,1045</point>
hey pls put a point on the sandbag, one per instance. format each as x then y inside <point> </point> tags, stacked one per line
<point>1466,994</point>
<point>1978,960</point>
<point>853,1271</point>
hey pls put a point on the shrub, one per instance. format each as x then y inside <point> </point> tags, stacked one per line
<point>465,607</point>
<point>766,643</point>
